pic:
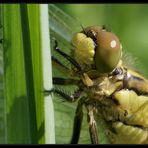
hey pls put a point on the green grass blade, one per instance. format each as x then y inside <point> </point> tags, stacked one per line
<point>26,38</point>
<point>17,111</point>
<point>23,89</point>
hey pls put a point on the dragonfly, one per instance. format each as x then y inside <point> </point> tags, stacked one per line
<point>107,88</point>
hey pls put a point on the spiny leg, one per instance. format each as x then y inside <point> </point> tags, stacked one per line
<point>79,113</point>
<point>61,67</point>
<point>56,61</point>
<point>92,125</point>
<point>66,97</point>
<point>64,81</point>
<point>69,58</point>
<point>77,123</point>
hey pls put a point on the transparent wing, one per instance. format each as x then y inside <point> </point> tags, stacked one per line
<point>62,27</point>
<point>61,23</point>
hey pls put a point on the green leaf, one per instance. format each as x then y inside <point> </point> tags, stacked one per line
<point>23,105</point>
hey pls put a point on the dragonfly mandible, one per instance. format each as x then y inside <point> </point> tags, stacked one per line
<point>106,87</point>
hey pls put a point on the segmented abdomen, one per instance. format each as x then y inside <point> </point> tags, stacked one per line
<point>132,127</point>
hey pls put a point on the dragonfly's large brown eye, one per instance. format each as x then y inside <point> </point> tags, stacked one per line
<point>108,51</point>
<point>96,47</point>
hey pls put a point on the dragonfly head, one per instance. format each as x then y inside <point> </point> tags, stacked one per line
<point>97,48</point>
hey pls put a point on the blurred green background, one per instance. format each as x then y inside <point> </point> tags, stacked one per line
<point>128,21</point>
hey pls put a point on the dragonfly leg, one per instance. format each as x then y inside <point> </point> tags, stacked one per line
<point>78,115</point>
<point>66,56</point>
<point>66,97</point>
<point>64,81</point>
<point>77,123</point>
<point>92,125</point>
<point>60,66</point>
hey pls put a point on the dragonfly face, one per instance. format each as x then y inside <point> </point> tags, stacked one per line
<point>107,88</point>
<point>96,46</point>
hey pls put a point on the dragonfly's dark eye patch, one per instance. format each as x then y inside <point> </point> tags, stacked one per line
<point>92,34</point>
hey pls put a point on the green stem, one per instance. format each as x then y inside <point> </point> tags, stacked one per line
<point>29,71</point>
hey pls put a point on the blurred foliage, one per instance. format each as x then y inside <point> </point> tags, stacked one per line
<point>128,21</point>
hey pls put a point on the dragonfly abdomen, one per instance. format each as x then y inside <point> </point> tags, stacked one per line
<point>127,114</point>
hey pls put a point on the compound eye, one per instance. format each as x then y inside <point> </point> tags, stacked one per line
<point>108,52</point>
